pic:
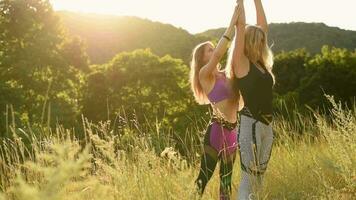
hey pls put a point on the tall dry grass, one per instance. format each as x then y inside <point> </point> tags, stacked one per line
<point>313,158</point>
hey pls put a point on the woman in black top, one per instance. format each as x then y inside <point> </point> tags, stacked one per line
<point>252,61</point>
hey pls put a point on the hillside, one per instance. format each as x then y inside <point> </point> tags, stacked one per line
<point>107,35</point>
<point>311,36</point>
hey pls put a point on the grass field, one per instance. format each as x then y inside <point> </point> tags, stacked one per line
<point>313,158</point>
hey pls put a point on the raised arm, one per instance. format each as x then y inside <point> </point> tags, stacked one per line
<point>261,16</point>
<point>239,61</point>
<point>221,47</point>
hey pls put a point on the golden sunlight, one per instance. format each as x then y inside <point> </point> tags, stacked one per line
<point>200,15</point>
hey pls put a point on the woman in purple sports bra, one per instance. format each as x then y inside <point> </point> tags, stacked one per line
<point>212,86</point>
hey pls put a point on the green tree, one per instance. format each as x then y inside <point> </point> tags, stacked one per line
<point>140,82</point>
<point>96,94</point>
<point>289,69</point>
<point>36,74</point>
<point>332,72</point>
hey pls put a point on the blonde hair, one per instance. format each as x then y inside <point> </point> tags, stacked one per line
<point>195,65</point>
<point>257,49</point>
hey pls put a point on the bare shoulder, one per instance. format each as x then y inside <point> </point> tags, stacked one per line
<point>205,73</point>
<point>206,79</point>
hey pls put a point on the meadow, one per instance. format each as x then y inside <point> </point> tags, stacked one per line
<point>313,158</point>
<point>100,107</point>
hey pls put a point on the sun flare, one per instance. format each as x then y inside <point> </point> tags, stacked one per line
<point>200,15</point>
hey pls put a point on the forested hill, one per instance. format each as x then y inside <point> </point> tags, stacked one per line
<point>311,36</point>
<point>107,35</point>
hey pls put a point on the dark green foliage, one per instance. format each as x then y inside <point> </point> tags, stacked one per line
<point>303,79</point>
<point>289,69</point>
<point>332,72</point>
<point>96,95</point>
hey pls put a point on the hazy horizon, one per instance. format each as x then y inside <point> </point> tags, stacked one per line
<point>211,28</point>
<point>184,13</point>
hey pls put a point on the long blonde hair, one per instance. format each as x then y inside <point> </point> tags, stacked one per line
<point>257,49</point>
<point>195,65</point>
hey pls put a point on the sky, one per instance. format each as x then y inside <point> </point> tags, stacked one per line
<point>199,15</point>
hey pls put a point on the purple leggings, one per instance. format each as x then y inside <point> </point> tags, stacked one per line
<point>220,144</point>
<point>223,140</point>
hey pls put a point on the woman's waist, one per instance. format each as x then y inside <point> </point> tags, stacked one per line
<point>264,116</point>
<point>264,107</point>
<point>228,112</point>
<point>229,118</point>
<point>224,123</point>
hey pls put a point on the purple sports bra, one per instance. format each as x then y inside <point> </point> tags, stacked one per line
<point>220,91</point>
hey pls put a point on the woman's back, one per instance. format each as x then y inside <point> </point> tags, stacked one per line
<point>256,89</point>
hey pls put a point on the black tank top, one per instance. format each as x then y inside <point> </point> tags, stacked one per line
<point>256,90</point>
